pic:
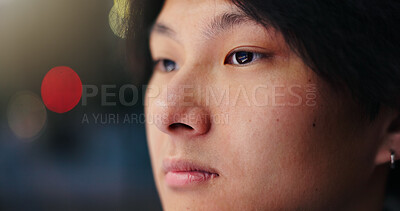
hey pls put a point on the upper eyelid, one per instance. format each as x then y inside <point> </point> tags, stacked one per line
<point>157,62</point>
<point>264,53</point>
<point>252,49</point>
<point>231,54</point>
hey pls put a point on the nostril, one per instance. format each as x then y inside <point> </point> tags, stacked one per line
<point>180,125</point>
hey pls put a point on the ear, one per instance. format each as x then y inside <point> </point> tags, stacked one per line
<point>391,141</point>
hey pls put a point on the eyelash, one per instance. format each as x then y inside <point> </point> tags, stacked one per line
<point>254,57</point>
<point>163,62</point>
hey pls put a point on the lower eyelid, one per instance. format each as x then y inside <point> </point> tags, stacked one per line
<point>256,59</point>
<point>265,56</point>
<point>259,55</point>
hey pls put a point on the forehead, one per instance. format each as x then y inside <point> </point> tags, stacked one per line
<point>207,19</point>
<point>193,7</point>
<point>194,13</point>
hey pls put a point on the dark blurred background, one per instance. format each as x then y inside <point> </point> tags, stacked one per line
<point>51,161</point>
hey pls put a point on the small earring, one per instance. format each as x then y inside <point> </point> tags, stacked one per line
<point>392,166</point>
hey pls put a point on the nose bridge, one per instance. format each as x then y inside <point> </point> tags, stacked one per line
<point>182,90</point>
<point>180,106</point>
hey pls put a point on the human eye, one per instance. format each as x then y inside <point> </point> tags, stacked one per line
<point>165,65</point>
<point>243,57</point>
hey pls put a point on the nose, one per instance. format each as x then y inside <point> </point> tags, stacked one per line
<point>188,122</point>
<point>178,110</point>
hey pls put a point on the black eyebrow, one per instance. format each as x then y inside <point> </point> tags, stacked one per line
<point>163,29</point>
<point>224,22</point>
<point>218,24</point>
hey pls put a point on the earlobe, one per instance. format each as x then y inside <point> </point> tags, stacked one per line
<point>392,159</point>
<point>389,151</point>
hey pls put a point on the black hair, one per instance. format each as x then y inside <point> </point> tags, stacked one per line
<point>352,44</point>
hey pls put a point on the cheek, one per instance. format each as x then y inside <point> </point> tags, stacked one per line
<point>155,138</point>
<point>289,149</point>
<point>264,152</point>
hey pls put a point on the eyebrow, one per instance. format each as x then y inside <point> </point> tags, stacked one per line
<point>163,29</point>
<point>218,24</point>
<point>224,22</point>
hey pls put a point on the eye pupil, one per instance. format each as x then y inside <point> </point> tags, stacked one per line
<point>244,57</point>
<point>169,65</point>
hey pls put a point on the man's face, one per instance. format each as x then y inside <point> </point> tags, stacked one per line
<point>236,120</point>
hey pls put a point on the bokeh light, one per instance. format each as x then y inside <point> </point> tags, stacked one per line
<point>26,115</point>
<point>118,18</point>
<point>61,89</point>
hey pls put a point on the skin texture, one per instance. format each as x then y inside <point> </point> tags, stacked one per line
<point>276,151</point>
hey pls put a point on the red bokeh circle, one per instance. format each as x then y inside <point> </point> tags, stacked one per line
<point>61,89</point>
